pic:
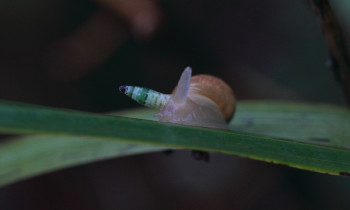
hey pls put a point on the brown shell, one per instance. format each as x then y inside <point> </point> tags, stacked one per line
<point>217,90</point>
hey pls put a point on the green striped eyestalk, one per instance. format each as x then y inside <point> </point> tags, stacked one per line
<point>145,96</point>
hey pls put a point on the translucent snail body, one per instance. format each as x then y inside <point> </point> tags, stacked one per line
<point>201,100</point>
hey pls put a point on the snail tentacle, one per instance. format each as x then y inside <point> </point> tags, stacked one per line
<point>145,96</point>
<point>183,86</point>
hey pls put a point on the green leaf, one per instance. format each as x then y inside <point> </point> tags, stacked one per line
<point>28,156</point>
<point>312,137</point>
<point>309,123</point>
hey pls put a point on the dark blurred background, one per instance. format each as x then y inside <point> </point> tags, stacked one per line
<point>75,54</point>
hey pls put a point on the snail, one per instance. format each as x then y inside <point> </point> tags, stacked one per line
<point>201,100</point>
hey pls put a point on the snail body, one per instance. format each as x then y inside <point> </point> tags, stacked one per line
<point>201,100</point>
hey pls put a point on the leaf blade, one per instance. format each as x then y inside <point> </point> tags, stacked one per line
<point>20,118</point>
<point>28,156</point>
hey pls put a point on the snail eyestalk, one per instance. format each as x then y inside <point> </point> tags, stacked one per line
<point>145,96</point>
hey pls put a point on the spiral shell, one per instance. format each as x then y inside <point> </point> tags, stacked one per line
<point>215,89</point>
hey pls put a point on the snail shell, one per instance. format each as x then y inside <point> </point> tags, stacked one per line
<point>201,100</point>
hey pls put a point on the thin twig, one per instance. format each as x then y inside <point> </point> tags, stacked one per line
<point>339,58</point>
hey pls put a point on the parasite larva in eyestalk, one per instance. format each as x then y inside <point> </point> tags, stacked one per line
<point>201,100</point>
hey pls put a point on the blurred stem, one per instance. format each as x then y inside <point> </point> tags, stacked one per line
<point>339,58</point>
